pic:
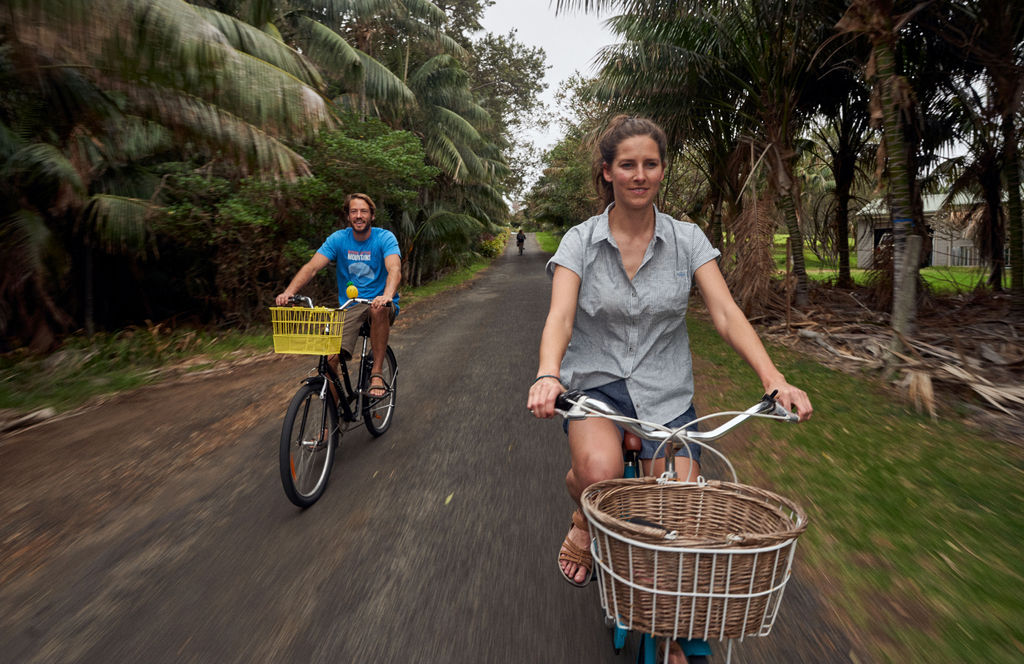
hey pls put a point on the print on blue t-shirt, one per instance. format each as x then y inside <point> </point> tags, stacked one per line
<point>362,263</point>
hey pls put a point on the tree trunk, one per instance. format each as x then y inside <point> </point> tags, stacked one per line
<point>789,199</point>
<point>903,308</point>
<point>899,185</point>
<point>715,225</point>
<point>89,295</point>
<point>844,183</point>
<point>1015,211</point>
<point>995,242</point>
<point>796,241</point>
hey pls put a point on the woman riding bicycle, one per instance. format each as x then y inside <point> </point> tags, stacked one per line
<point>620,286</point>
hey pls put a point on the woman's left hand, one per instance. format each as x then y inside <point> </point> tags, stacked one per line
<point>792,398</point>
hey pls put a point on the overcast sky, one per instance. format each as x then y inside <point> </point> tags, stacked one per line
<point>570,41</point>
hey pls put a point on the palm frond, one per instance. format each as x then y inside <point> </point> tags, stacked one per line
<point>24,237</point>
<point>169,44</point>
<point>9,142</point>
<point>459,128</point>
<point>383,85</point>
<point>443,224</point>
<point>214,129</point>
<point>264,46</point>
<point>43,164</point>
<point>119,223</point>
<point>443,153</point>
<point>417,29</point>
<point>327,48</point>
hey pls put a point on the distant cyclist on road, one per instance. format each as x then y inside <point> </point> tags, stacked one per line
<point>368,258</point>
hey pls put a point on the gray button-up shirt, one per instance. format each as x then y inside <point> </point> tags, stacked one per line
<point>634,330</point>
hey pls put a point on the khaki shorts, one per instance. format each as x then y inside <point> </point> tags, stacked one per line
<point>355,314</point>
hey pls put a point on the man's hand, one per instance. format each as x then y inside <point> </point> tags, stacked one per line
<point>282,299</point>
<point>380,302</point>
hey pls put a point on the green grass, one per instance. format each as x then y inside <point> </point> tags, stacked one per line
<point>916,523</point>
<point>548,241</point>
<point>84,368</point>
<point>413,295</point>
<point>941,280</point>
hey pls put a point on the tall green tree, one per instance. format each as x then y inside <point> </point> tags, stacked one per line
<point>89,96</point>
<point>753,58</point>
<point>507,79</point>
<point>991,34</point>
<point>878,21</point>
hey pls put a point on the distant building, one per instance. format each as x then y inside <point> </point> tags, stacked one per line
<point>950,231</point>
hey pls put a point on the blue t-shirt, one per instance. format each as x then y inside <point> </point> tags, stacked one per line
<point>362,263</point>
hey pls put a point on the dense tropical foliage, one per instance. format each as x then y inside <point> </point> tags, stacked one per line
<point>164,159</point>
<point>794,114</point>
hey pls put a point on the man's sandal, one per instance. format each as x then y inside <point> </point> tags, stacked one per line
<point>572,553</point>
<point>384,389</point>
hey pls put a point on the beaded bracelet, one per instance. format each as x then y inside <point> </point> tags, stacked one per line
<point>546,376</point>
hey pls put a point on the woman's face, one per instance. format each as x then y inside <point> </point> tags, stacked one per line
<point>636,172</point>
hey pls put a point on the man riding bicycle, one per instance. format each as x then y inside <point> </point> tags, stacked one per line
<point>368,258</point>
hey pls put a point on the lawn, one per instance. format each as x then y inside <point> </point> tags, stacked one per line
<point>916,524</point>
<point>941,280</point>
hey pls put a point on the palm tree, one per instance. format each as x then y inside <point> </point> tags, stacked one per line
<point>89,93</point>
<point>842,129</point>
<point>995,41</point>
<point>878,21</point>
<point>753,60</point>
<point>365,46</point>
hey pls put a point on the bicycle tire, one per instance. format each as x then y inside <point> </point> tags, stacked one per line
<point>306,453</point>
<point>378,413</point>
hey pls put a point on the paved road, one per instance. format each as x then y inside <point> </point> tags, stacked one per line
<point>154,529</point>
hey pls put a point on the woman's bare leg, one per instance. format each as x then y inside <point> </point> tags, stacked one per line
<point>596,450</point>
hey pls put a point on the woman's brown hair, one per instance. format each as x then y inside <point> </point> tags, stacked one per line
<point>619,129</point>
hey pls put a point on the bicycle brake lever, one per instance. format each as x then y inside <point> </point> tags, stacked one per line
<point>568,405</point>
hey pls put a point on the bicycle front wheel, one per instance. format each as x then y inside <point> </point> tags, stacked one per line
<point>308,440</point>
<point>378,411</point>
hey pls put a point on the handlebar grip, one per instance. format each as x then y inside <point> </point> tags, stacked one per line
<point>770,406</point>
<point>562,401</point>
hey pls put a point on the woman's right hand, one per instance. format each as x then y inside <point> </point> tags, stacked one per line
<point>541,400</point>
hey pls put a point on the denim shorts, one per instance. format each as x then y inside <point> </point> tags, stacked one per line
<point>616,395</point>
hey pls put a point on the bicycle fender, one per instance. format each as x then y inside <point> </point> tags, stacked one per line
<point>314,381</point>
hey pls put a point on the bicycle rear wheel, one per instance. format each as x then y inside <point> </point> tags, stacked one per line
<point>378,412</point>
<point>308,440</point>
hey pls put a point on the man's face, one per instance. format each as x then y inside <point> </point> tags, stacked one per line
<point>359,215</point>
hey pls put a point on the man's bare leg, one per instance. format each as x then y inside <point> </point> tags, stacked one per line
<point>380,331</point>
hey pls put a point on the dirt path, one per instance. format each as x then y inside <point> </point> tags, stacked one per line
<point>153,527</point>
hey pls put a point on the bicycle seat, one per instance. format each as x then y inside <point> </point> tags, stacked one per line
<point>631,442</point>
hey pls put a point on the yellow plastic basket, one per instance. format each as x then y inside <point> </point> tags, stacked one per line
<point>304,331</point>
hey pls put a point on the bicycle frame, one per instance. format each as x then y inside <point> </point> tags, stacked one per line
<point>350,401</point>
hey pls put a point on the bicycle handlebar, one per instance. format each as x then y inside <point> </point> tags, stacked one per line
<point>575,405</point>
<point>302,299</point>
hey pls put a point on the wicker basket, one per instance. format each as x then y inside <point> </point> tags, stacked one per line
<point>305,331</point>
<point>684,560</point>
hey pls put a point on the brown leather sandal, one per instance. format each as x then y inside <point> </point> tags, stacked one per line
<point>572,553</point>
<point>382,388</point>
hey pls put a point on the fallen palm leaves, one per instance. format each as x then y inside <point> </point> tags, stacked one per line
<point>973,344</point>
